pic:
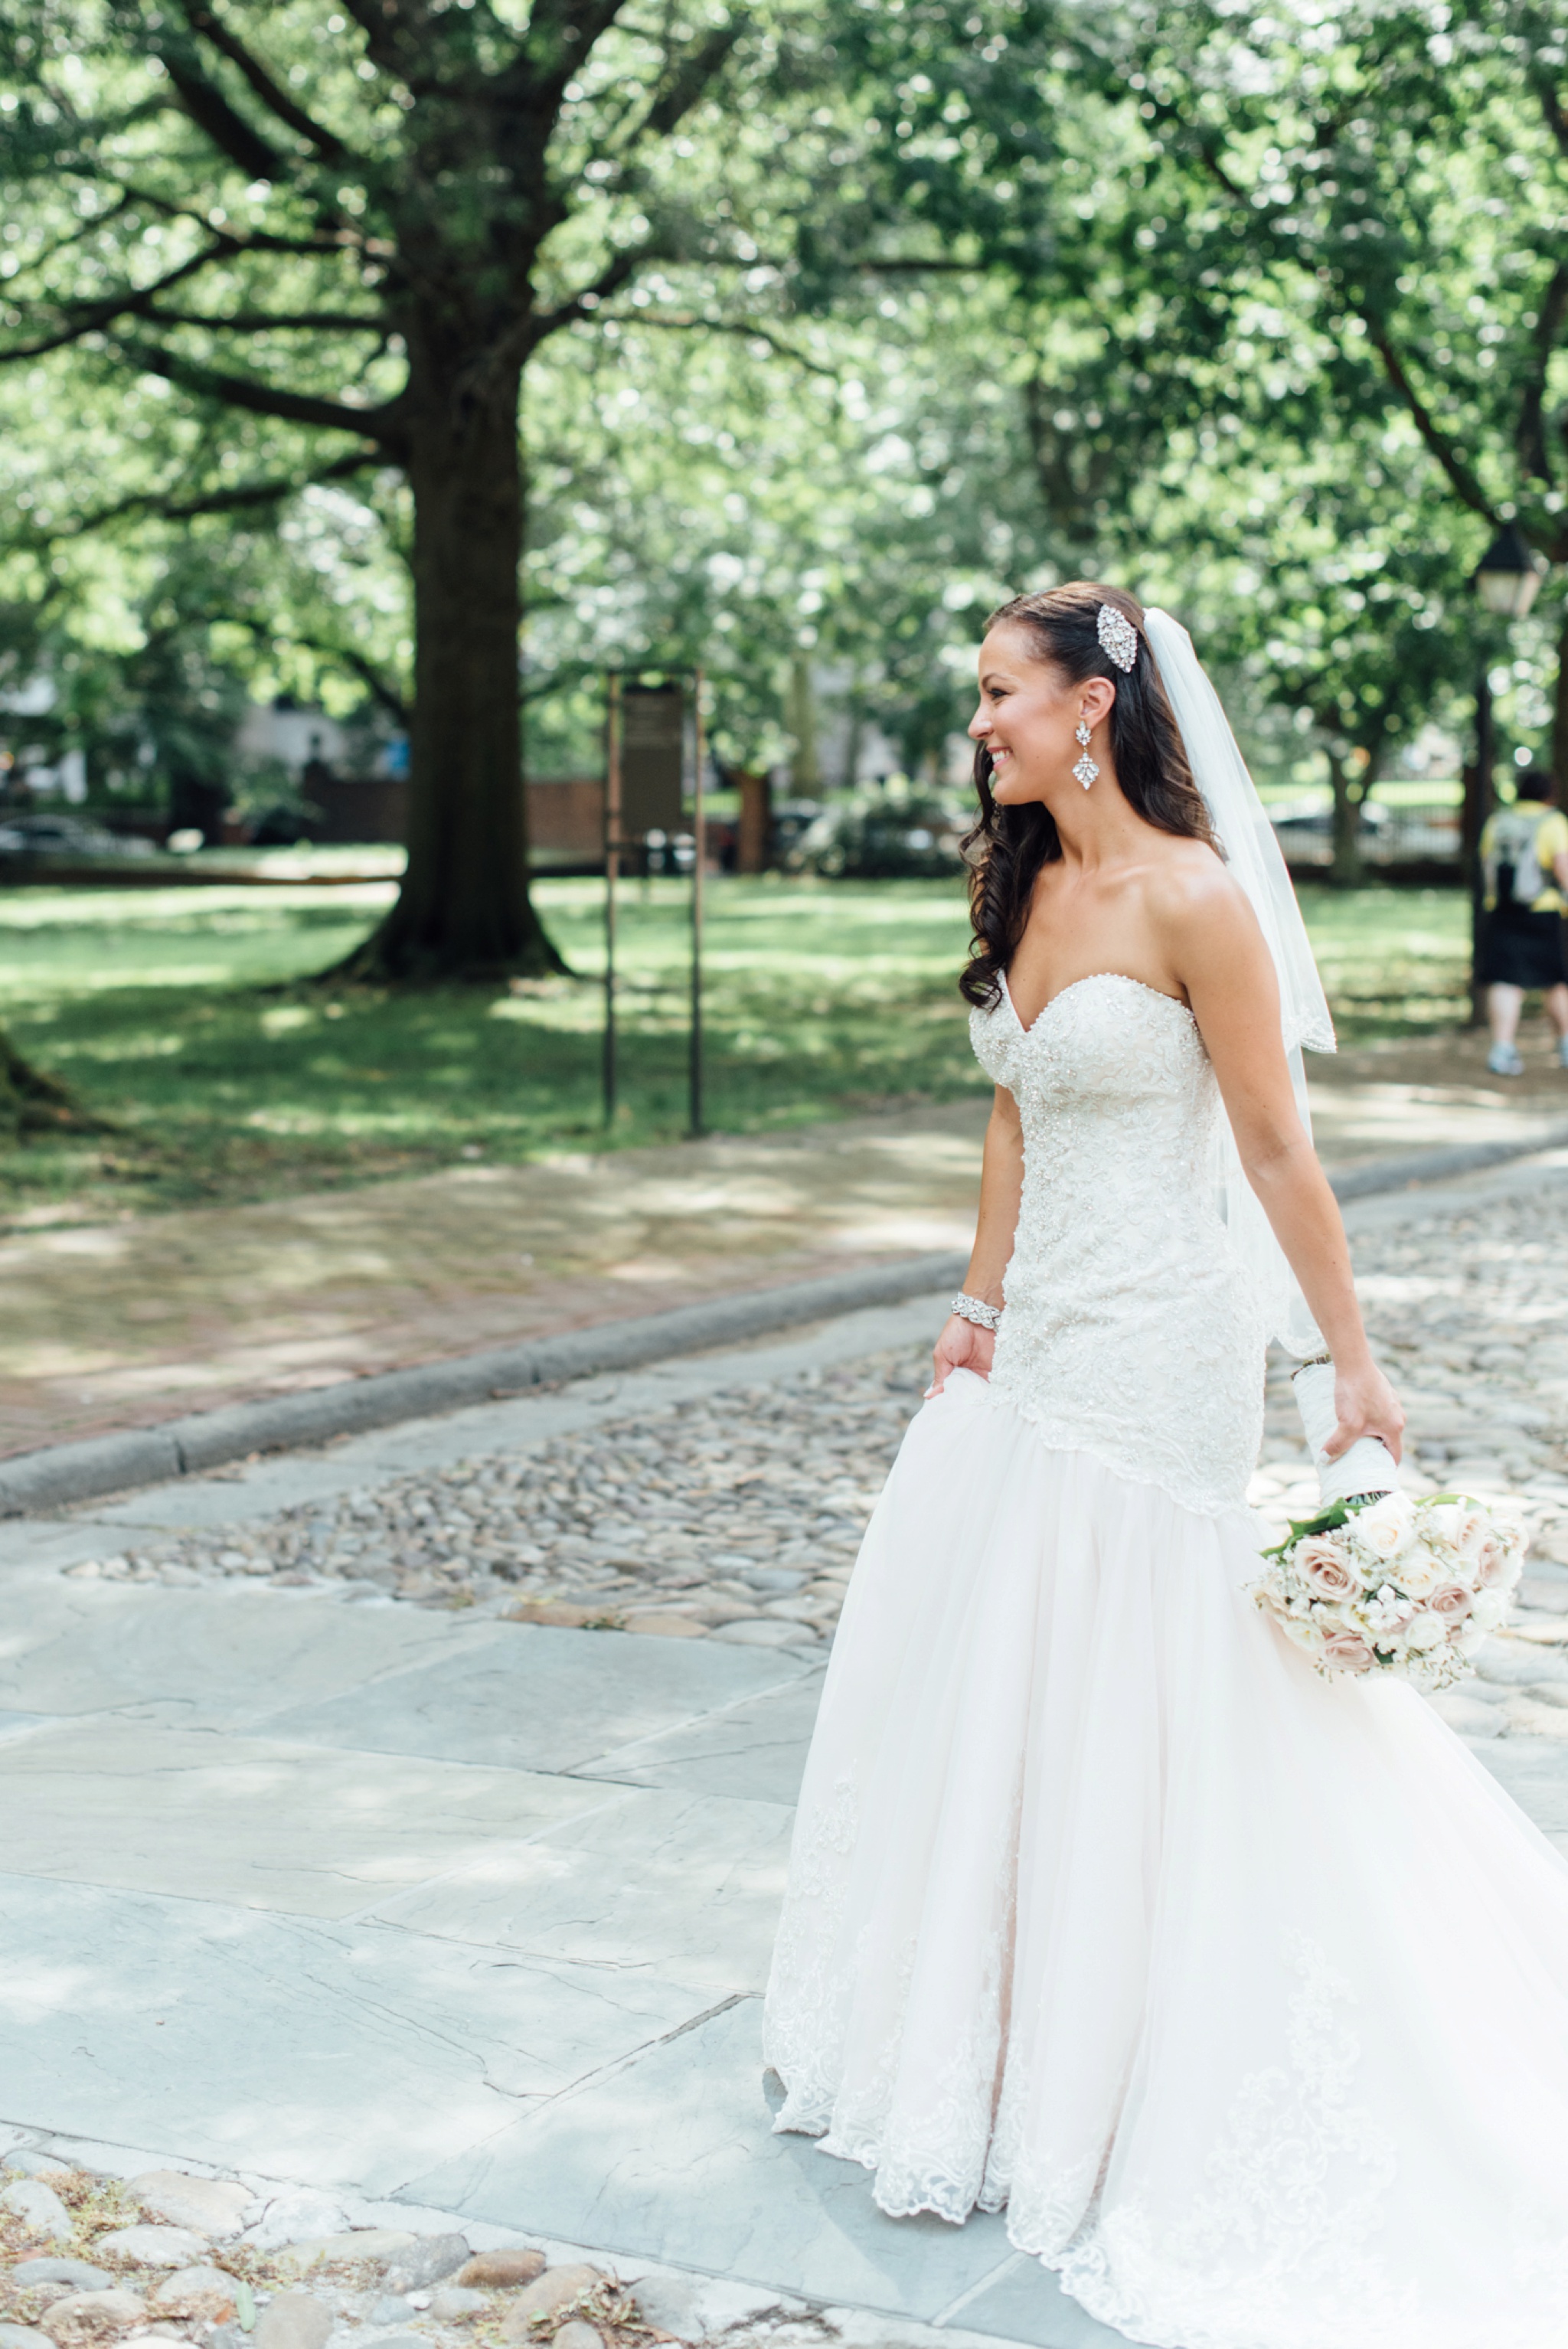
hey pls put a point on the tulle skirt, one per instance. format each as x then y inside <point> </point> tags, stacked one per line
<point>1245,1992</point>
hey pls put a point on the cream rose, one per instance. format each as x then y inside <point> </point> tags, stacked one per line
<point>1497,1569</point>
<point>1343,1652</point>
<point>1418,1573</point>
<point>1473,1534</point>
<point>1451,1601</point>
<point>1322,1568</point>
<point>1387,1529</point>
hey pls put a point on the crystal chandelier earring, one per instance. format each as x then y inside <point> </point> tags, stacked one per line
<point>1086,770</point>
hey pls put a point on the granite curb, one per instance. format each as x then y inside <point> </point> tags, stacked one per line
<point>1442,1165</point>
<point>58,1475</point>
<point>62,1472</point>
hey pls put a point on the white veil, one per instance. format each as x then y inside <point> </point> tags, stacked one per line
<point>1254,857</point>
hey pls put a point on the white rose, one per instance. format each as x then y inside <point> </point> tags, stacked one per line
<point>1387,1529</point>
<point>1442,1523</point>
<point>1427,1631</point>
<point>1488,1609</point>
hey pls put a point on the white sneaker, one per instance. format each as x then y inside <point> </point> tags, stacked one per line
<point>1503,1060</point>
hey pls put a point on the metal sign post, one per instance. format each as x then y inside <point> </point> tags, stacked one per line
<point>612,875</point>
<point>698,843</point>
<point>644,770</point>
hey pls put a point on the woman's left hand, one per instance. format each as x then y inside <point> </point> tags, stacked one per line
<point>1366,1405</point>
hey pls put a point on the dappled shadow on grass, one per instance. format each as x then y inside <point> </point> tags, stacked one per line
<point>241,1091</point>
<point>230,1073</point>
<point>1394,962</point>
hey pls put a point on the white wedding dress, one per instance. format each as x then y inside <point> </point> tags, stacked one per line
<point>1245,1992</point>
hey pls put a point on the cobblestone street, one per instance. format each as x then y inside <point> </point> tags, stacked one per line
<point>737,1515</point>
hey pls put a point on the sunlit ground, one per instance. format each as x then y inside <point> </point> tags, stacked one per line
<point>189,1018</point>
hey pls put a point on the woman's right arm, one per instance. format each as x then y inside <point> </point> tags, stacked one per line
<point>962,1346</point>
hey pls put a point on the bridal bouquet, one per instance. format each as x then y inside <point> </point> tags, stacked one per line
<point>1377,1581</point>
<point>1394,1585</point>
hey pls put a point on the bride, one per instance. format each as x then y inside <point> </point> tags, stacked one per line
<point>1243,1990</point>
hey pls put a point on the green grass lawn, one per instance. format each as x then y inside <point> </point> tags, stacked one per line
<point>186,1017</point>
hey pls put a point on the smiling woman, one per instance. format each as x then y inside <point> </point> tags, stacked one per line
<point>1050,682</point>
<point>1105,1908</point>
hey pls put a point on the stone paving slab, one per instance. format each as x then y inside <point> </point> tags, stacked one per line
<point>674,2157</point>
<point>260,1822</point>
<point>756,1750</point>
<point>538,1698</point>
<point>220,1660</point>
<point>645,1879</point>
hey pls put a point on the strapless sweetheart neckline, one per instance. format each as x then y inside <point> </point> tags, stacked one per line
<point>1091,979</point>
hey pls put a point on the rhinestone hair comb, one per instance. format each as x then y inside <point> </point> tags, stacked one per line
<point>1118,635</point>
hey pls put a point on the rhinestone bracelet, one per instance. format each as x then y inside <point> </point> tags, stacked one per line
<point>975,1310</point>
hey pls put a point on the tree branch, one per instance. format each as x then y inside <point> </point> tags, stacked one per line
<point>211,111</point>
<point>1464,483</point>
<point>686,84</point>
<point>396,31</point>
<point>226,241</point>
<point>751,333</point>
<point>561,34</point>
<point>131,302</point>
<point>260,322</point>
<point>618,272</point>
<point>380,688</point>
<point>379,424</point>
<point>211,27</point>
<point>1554,112</point>
<point>1531,435</point>
<point>159,504</point>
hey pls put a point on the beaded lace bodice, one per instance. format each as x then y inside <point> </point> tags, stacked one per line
<point>1129,1330</point>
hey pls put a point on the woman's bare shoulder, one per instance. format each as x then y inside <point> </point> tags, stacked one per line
<point>1201,914</point>
<point>1185,880</point>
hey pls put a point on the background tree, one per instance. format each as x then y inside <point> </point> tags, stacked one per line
<point>361,226</point>
<point>1410,170</point>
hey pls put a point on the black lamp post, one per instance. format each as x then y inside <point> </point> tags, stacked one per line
<point>1506,579</point>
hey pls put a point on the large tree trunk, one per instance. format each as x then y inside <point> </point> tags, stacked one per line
<point>463,912</point>
<point>1346,865</point>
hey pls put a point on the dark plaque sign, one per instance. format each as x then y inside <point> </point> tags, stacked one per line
<point>653,758</point>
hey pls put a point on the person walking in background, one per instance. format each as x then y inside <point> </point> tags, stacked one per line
<point>1524,864</point>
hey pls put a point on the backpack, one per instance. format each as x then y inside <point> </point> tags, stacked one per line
<point>1516,871</point>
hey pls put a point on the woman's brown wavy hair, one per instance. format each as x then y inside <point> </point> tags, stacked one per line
<point>1008,845</point>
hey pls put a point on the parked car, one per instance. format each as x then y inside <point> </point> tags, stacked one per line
<point>882,835</point>
<point>1310,824</point>
<point>65,838</point>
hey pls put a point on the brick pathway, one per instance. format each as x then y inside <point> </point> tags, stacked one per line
<point>124,1324</point>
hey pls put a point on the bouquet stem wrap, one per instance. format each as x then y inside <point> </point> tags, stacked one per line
<point>1368,1464</point>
